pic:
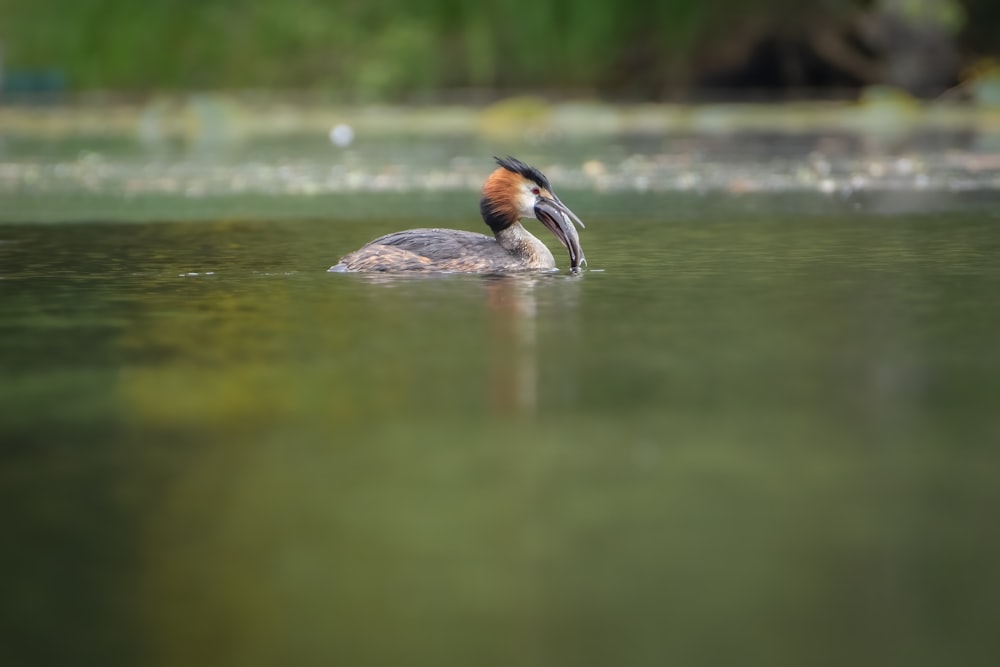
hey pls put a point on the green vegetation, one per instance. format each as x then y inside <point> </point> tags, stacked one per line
<point>393,49</point>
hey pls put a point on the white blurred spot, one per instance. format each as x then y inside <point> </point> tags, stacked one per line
<point>342,135</point>
<point>594,168</point>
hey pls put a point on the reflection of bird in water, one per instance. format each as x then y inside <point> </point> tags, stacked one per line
<point>511,192</point>
<point>513,355</point>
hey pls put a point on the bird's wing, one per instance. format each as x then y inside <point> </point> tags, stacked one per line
<point>436,244</point>
<point>427,250</point>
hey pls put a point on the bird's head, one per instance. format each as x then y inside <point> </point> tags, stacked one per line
<point>515,191</point>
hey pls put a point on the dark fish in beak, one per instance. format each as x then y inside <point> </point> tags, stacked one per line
<point>559,219</point>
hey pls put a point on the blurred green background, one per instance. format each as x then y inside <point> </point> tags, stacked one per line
<point>761,428</point>
<point>400,50</point>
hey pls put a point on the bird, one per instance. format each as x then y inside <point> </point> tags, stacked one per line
<point>513,191</point>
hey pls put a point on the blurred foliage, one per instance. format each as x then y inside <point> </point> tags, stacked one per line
<point>376,47</point>
<point>379,49</point>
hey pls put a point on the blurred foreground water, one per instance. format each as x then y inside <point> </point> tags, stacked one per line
<point>761,429</point>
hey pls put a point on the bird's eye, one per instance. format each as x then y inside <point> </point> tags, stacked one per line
<point>534,191</point>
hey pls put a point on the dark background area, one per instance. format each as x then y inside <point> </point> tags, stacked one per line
<point>396,50</point>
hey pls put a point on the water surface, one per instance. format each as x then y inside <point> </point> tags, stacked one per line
<point>761,428</point>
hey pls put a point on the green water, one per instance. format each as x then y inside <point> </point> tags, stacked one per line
<point>759,431</point>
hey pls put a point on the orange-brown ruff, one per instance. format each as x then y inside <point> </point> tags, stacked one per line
<point>512,192</point>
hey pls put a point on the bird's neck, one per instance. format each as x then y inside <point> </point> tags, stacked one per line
<point>497,215</point>
<point>521,243</point>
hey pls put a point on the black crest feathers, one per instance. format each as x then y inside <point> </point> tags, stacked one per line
<point>513,164</point>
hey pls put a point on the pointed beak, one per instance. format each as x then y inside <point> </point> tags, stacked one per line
<point>559,219</point>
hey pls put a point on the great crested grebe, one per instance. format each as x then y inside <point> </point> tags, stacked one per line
<point>511,192</point>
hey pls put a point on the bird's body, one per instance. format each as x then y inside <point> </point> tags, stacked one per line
<point>451,251</point>
<point>511,192</point>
